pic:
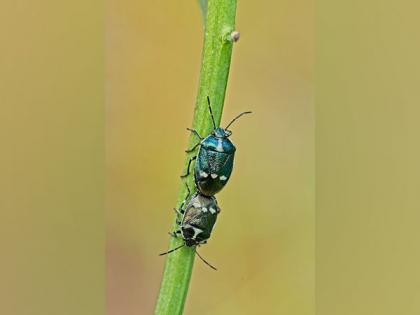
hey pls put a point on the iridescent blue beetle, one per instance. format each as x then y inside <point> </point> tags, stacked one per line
<point>214,159</point>
<point>197,221</point>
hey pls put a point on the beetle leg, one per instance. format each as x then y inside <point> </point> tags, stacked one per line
<point>195,132</point>
<point>193,148</point>
<point>188,167</point>
<point>181,210</point>
<point>174,234</point>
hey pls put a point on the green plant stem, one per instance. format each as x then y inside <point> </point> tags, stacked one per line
<point>217,51</point>
<point>203,8</point>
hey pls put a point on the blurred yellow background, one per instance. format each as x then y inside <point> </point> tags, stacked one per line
<point>263,244</point>
<point>367,158</point>
<point>52,158</point>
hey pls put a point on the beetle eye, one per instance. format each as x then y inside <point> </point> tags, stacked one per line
<point>228,133</point>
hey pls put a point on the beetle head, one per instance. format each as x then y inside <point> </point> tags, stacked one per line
<point>190,242</point>
<point>221,133</point>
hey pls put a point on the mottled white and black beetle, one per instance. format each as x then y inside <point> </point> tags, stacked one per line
<point>198,219</point>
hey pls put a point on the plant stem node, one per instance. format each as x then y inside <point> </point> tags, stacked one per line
<point>234,36</point>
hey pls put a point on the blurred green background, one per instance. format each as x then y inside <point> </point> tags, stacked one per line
<point>263,244</point>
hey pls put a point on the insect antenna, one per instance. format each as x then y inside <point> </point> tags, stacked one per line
<point>237,117</point>
<point>206,262</point>
<point>172,250</point>
<point>211,112</point>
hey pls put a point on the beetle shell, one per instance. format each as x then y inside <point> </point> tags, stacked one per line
<point>199,218</point>
<point>214,164</point>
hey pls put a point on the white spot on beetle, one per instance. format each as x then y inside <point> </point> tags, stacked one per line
<point>203,174</point>
<point>223,177</point>
<point>212,210</point>
<point>204,209</point>
<point>196,205</point>
<point>196,232</point>
<point>219,147</point>
<point>213,175</point>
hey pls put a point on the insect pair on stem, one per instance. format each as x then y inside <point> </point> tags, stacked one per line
<point>212,171</point>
